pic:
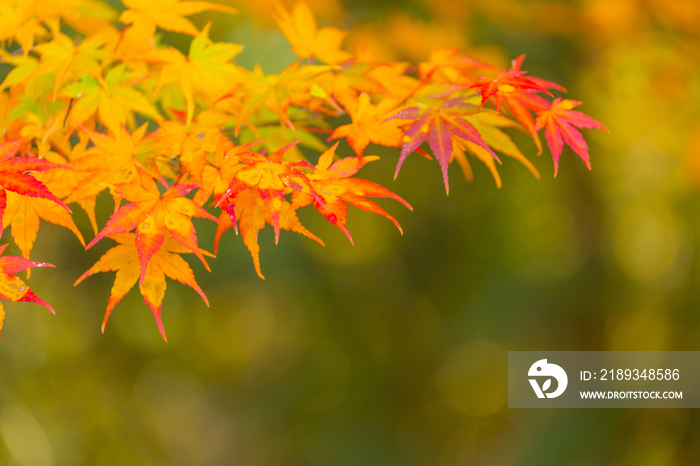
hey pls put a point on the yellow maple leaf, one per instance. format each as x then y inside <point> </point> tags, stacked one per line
<point>124,259</point>
<point>307,39</point>
<point>62,57</point>
<point>167,14</point>
<point>207,69</point>
<point>115,99</point>
<point>23,214</point>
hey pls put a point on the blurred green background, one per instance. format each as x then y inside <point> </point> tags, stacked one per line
<point>394,351</point>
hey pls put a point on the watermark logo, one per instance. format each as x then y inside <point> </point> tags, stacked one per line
<point>542,368</point>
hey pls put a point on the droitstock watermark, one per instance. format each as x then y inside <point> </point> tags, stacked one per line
<point>604,379</point>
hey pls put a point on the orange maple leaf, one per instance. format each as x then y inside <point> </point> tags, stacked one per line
<point>124,258</point>
<point>249,212</point>
<point>337,189</point>
<point>191,142</point>
<point>113,159</point>
<point>219,171</point>
<point>11,287</point>
<point>369,125</point>
<point>153,215</point>
<point>271,176</point>
<point>256,195</point>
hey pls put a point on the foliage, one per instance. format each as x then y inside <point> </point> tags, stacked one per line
<point>96,101</point>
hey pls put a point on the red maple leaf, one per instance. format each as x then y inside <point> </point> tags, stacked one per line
<point>11,287</point>
<point>560,123</point>
<point>14,175</point>
<point>439,125</point>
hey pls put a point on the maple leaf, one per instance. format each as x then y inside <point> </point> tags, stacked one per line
<point>508,81</point>
<point>448,65</point>
<point>124,258</point>
<point>522,102</point>
<point>14,177</point>
<point>153,215</point>
<point>249,212</point>
<point>560,123</point>
<point>23,214</point>
<point>18,22</point>
<point>11,287</point>
<point>439,125</point>
<point>301,30</point>
<point>63,58</point>
<point>114,99</point>
<point>369,125</point>
<point>167,14</point>
<point>24,66</point>
<point>218,172</point>
<point>256,195</point>
<point>337,189</point>
<point>114,159</point>
<point>207,68</point>
<point>191,143</point>
<point>488,124</point>
<point>273,93</point>
<point>353,78</point>
<point>271,176</point>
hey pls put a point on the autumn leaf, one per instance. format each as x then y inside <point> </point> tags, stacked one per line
<point>256,196</point>
<point>506,82</point>
<point>18,23</point>
<point>271,176</point>
<point>191,143</point>
<point>560,123</point>
<point>11,287</point>
<point>167,14</point>
<point>337,189</point>
<point>206,69</point>
<point>23,68</point>
<point>488,124</point>
<point>440,126</point>
<point>522,102</point>
<point>65,59</point>
<point>153,215</point>
<point>450,66</point>
<point>220,169</point>
<point>114,99</point>
<point>301,30</point>
<point>368,125</point>
<point>273,93</point>
<point>23,214</point>
<point>14,176</point>
<point>113,159</point>
<point>124,258</point>
<point>249,212</point>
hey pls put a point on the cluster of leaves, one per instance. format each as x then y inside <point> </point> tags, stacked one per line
<point>96,102</point>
